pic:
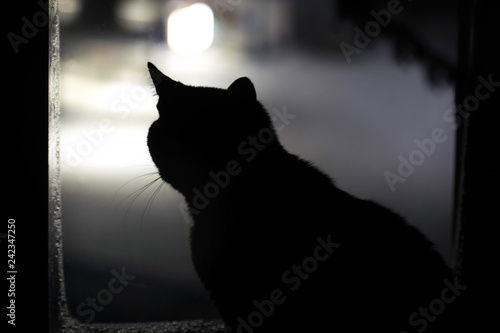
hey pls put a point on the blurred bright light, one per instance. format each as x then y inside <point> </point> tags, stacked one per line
<point>137,15</point>
<point>191,29</point>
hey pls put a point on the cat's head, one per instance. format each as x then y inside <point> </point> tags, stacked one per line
<point>201,129</point>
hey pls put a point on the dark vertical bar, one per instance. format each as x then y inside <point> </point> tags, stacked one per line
<point>477,210</point>
<point>24,165</point>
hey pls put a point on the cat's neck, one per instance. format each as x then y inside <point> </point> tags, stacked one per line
<point>246,181</point>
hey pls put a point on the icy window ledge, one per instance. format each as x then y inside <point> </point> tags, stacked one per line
<point>195,326</point>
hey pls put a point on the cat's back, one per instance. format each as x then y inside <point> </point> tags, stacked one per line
<point>284,228</point>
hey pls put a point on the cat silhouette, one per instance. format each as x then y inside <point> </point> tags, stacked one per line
<point>279,247</point>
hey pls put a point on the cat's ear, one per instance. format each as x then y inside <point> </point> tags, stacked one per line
<point>244,87</point>
<point>161,79</point>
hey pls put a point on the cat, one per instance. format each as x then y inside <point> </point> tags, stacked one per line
<point>279,247</point>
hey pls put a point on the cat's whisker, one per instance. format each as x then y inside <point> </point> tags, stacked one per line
<point>136,194</point>
<point>135,179</point>
<point>151,199</point>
